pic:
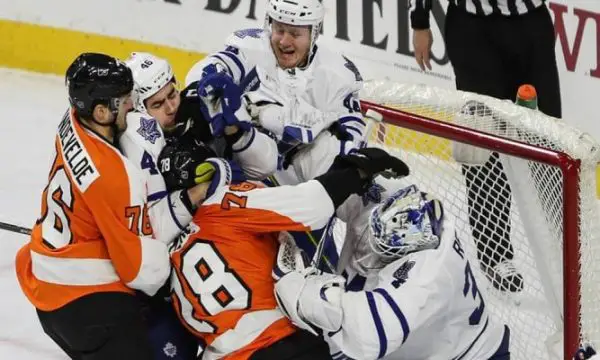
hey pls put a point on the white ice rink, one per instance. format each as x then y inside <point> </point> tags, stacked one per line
<point>32,105</point>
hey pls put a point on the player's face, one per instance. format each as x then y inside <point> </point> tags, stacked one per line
<point>125,106</point>
<point>290,44</point>
<point>163,105</point>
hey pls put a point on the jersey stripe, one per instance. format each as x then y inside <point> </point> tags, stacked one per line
<point>397,311</point>
<point>378,324</point>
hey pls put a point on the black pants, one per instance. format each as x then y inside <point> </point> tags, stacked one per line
<point>99,326</point>
<point>493,56</point>
<point>301,345</point>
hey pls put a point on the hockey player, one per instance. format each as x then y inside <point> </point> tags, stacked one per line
<point>304,94</point>
<point>163,112</point>
<point>222,286</point>
<point>93,244</point>
<point>411,292</point>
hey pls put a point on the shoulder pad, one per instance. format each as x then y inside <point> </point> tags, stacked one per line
<point>337,67</point>
<point>246,39</point>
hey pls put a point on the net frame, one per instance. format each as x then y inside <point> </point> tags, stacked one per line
<point>570,169</point>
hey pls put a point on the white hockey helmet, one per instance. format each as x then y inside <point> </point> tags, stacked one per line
<point>150,74</point>
<point>297,12</point>
<point>408,221</point>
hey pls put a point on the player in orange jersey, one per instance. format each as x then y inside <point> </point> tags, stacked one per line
<point>221,284</point>
<point>93,244</point>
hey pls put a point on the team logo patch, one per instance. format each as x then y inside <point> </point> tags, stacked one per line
<point>170,350</point>
<point>401,274</point>
<point>149,130</point>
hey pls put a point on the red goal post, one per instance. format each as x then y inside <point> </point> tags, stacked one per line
<point>430,128</point>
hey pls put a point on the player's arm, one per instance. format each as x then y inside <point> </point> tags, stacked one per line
<point>295,121</point>
<point>232,59</point>
<point>419,14</point>
<point>362,324</point>
<point>169,213</point>
<point>349,127</point>
<point>256,153</point>
<point>301,207</point>
<point>140,260</point>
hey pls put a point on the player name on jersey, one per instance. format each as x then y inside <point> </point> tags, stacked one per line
<point>76,157</point>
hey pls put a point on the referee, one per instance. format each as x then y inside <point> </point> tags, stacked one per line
<point>494,47</point>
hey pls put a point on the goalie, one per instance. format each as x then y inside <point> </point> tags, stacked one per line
<point>221,283</point>
<point>410,291</point>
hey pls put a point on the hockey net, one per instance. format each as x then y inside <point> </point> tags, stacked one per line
<point>548,215</point>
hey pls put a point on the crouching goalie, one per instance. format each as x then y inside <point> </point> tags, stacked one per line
<point>409,290</point>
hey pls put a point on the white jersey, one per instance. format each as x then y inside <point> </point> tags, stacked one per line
<point>426,305</point>
<point>324,93</point>
<point>141,143</point>
<point>144,139</point>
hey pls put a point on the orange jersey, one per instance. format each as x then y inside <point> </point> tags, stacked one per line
<point>94,234</point>
<point>223,290</point>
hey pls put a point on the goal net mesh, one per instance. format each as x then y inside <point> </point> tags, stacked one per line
<point>510,204</point>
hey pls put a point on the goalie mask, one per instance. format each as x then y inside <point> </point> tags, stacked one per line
<point>408,221</point>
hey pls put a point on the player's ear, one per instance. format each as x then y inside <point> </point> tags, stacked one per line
<point>102,114</point>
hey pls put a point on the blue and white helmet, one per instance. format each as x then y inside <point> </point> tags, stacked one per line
<point>408,221</point>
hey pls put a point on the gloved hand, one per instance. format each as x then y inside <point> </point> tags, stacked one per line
<point>222,103</point>
<point>372,162</point>
<point>289,257</point>
<point>186,162</point>
<point>219,172</point>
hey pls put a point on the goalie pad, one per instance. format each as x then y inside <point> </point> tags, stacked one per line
<point>475,115</point>
<point>309,299</point>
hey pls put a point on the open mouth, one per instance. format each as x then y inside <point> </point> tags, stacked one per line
<point>287,52</point>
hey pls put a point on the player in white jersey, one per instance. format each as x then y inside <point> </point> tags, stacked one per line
<point>163,112</point>
<point>306,95</point>
<point>296,89</point>
<point>412,293</point>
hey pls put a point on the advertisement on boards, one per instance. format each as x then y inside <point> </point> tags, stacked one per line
<point>375,34</point>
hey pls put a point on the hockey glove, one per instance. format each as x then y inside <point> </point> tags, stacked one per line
<point>304,297</point>
<point>222,104</point>
<point>219,172</point>
<point>189,119</point>
<point>584,352</point>
<point>289,257</point>
<point>372,162</point>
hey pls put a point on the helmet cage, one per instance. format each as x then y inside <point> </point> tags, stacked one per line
<point>408,221</point>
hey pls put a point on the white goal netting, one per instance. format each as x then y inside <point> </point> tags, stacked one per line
<point>532,201</point>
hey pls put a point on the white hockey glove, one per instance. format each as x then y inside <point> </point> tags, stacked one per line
<point>310,300</point>
<point>289,257</point>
